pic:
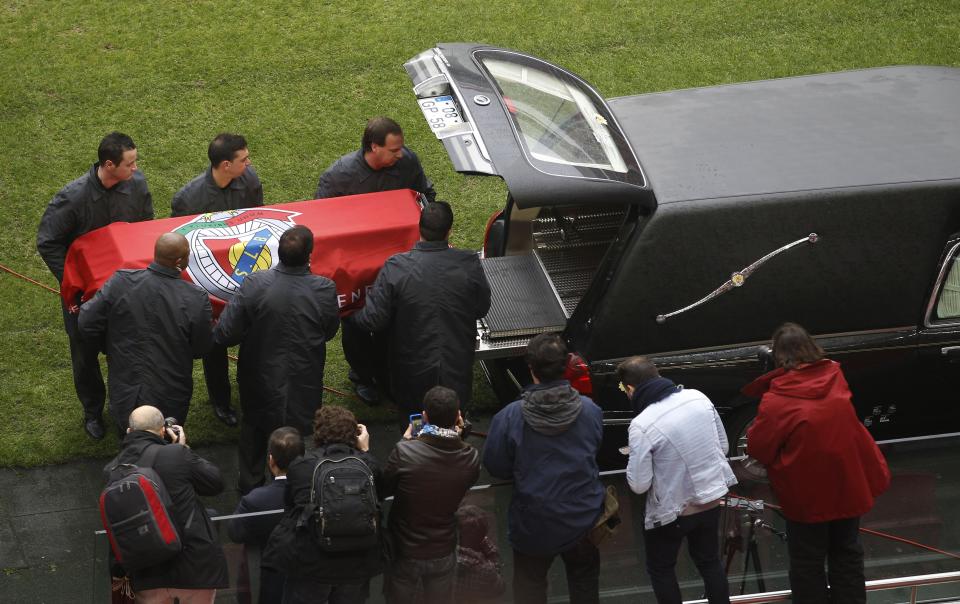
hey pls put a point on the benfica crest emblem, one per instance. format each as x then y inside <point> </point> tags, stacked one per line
<point>227,246</point>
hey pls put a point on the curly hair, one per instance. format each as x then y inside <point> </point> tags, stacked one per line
<point>332,424</point>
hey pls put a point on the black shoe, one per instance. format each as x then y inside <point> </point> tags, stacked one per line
<point>368,393</point>
<point>226,414</point>
<point>94,428</point>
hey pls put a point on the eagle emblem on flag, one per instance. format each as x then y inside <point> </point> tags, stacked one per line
<point>227,246</point>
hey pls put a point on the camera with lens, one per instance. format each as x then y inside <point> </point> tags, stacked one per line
<point>171,422</point>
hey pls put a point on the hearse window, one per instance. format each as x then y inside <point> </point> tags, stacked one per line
<point>948,306</point>
<point>558,121</point>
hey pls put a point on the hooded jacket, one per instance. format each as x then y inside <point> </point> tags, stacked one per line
<point>822,462</point>
<point>547,442</point>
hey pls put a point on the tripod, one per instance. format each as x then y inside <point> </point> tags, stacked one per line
<point>752,518</point>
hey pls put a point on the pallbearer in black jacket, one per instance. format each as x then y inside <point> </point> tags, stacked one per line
<point>428,300</point>
<point>228,184</point>
<point>113,190</point>
<point>282,318</point>
<point>152,325</point>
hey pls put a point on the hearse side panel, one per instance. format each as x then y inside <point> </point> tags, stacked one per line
<point>870,268</point>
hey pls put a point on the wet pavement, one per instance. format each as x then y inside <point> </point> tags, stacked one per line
<point>49,551</point>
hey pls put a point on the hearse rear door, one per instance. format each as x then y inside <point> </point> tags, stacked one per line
<point>567,165</point>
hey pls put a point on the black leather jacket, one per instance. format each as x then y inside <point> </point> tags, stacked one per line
<point>428,478</point>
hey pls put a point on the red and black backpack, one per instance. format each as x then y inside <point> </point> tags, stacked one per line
<point>134,508</point>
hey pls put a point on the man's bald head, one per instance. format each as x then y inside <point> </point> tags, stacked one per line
<point>146,418</point>
<point>171,250</point>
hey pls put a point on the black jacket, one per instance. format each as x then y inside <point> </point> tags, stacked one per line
<point>282,318</point>
<point>429,299</point>
<point>152,325</point>
<point>202,194</point>
<point>84,205</point>
<point>428,477</point>
<point>185,475</point>
<point>294,552</point>
<point>352,175</point>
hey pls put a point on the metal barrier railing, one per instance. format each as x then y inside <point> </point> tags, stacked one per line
<point>913,583</point>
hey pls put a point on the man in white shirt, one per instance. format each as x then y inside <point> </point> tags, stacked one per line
<point>678,457</point>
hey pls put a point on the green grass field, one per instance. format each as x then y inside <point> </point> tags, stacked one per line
<point>299,80</point>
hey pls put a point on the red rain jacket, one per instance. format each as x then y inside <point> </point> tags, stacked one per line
<point>822,463</point>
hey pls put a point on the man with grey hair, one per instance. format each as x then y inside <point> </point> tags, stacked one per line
<point>152,325</point>
<point>200,568</point>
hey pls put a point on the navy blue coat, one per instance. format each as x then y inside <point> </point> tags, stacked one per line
<point>256,530</point>
<point>557,493</point>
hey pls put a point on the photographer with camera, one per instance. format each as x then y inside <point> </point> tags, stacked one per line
<point>823,464</point>
<point>327,545</point>
<point>194,574</point>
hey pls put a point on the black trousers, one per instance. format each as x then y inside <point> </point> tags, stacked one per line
<point>837,543</point>
<point>303,590</point>
<point>216,374</point>
<point>366,353</point>
<point>703,542</point>
<point>582,565</point>
<point>252,455</point>
<point>254,438</point>
<point>432,579</point>
<point>87,378</point>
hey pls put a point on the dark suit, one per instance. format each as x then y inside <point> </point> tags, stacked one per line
<point>352,175</point>
<point>254,531</point>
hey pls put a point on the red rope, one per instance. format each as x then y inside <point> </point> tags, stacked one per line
<point>875,533</point>
<point>28,279</point>
<point>232,357</point>
<point>909,542</point>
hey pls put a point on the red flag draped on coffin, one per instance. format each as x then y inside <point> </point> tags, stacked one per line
<point>353,237</point>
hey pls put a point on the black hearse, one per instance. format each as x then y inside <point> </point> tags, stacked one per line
<point>687,225</point>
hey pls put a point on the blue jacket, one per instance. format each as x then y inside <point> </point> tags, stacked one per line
<point>557,493</point>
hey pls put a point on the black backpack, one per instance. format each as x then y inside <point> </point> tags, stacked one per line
<point>134,508</point>
<point>344,512</point>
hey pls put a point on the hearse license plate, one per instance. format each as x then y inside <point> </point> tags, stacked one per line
<point>440,111</point>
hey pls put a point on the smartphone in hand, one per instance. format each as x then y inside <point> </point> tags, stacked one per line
<point>416,423</point>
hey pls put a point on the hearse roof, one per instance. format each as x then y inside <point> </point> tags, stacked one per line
<point>848,129</point>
